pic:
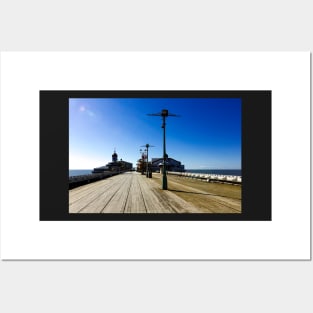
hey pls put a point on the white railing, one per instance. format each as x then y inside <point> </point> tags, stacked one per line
<point>209,177</point>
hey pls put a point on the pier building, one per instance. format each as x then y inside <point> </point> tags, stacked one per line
<point>171,165</point>
<point>114,166</point>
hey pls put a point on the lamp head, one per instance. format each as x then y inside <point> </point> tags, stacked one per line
<point>164,112</point>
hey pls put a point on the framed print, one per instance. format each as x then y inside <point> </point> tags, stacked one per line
<point>245,112</point>
<point>217,127</point>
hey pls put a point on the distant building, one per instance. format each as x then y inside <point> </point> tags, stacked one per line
<point>114,156</point>
<point>171,165</point>
<point>115,165</point>
<point>142,163</point>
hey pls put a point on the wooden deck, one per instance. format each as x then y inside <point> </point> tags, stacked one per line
<point>132,192</point>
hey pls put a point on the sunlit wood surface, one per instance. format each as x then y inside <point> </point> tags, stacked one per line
<point>132,192</point>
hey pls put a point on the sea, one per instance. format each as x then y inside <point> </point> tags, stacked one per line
<point>217,172</point>
<point>78,172</point>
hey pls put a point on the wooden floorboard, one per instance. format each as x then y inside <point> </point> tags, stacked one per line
<point>132,192</point>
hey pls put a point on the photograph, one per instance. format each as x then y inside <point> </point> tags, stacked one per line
<point>159,155</point>
<point>155,155</point>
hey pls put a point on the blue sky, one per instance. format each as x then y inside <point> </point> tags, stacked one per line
<point>207,135</point>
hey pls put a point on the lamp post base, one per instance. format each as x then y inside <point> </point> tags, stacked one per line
<point>164,183</point>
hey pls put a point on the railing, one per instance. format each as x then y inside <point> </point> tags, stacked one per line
<point>76,181</point>
<point>209,177</point>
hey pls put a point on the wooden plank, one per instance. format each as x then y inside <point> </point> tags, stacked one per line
<point>136,202</point>
<point>92,198</point>
<point>117,196</point>
<point>132,192</point>
<point>153,203</point>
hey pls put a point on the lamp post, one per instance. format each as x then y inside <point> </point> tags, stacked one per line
<point>164,113</point>
<point>147,165</point>
<point>142,160</point>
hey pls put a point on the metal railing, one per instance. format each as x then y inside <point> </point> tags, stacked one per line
<point>76,181</point>
<point>209,177</point>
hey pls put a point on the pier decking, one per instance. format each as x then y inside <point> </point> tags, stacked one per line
<point>132,192</point>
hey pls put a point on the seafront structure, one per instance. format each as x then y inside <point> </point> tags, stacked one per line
<point>114,166</point>
<point>156,165</point>
<point>170,163</point>
<point>111,169</point>
<point>141,163</point>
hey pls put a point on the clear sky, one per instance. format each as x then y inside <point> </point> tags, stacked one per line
<point>207,135</point>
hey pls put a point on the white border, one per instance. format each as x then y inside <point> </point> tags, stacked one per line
<point>23,74</point>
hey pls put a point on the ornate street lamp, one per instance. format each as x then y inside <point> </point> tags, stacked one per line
<point>147,165</point>
<point>142,161</point>
<point>164,113</point>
